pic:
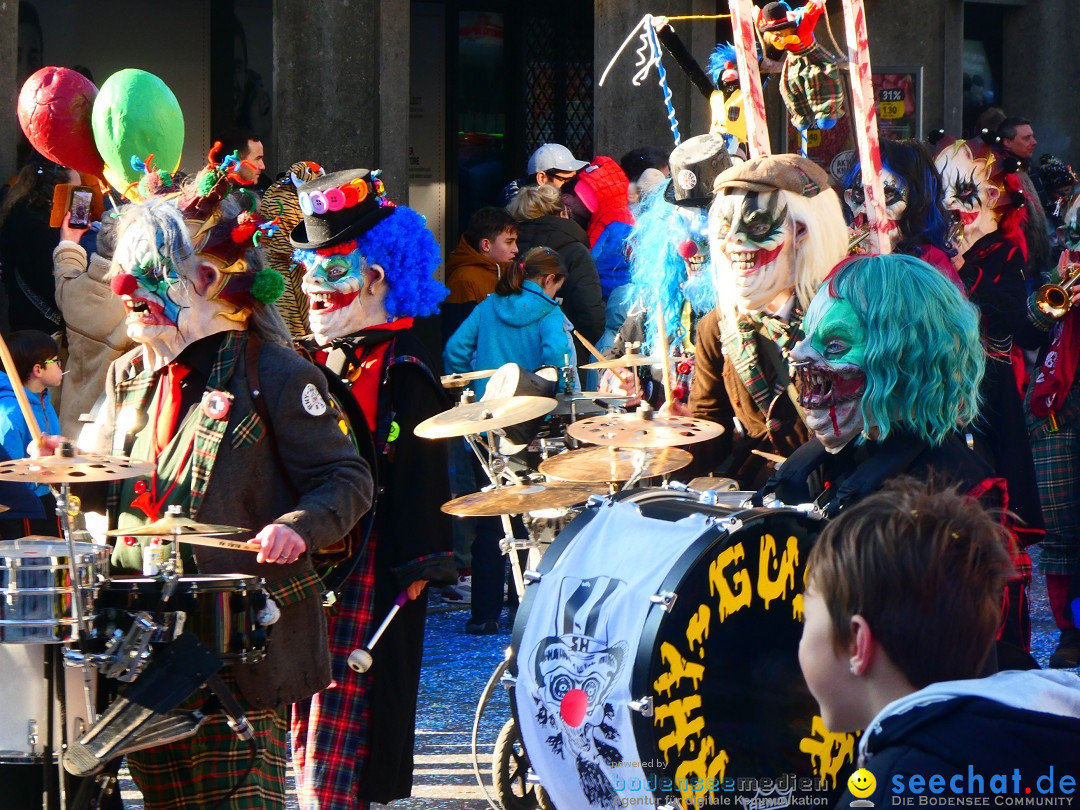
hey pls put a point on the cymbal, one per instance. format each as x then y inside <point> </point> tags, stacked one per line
<point>176,526</point>
<point>633,430</point>
<point>80,469</point>
<point>476,417</point>
<point>522,498</point>
<point>588,401</point>
<point>626,361</point>
<point>611,464</point>
<point>463,379</point>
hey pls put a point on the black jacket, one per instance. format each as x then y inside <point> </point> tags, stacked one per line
<point>583,300</point>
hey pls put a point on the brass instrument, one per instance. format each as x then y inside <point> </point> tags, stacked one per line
<point>856,237</point>
<point>1055,300</point>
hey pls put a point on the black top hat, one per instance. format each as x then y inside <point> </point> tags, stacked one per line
<point>773,17</point>
<point>695,165</point>
<point>338,207</point>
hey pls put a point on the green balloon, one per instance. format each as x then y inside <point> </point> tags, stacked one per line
<point>136,114</point>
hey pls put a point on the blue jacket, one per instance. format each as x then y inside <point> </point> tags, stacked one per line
<point>528,329</point>
<point>14,433</point>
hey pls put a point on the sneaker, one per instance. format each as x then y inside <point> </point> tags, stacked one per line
<point>488,628</point>
<point>464,587</point>
<point>1067,654</point>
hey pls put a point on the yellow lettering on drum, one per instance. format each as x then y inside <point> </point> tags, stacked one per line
<point>677,669</point>
<point>697,629</point>
<point>828,751</point>
<point>730,601</point>
<point>699,777</point>
<point>680,712</point>
<point>796,607</point>
<point>769,587</point>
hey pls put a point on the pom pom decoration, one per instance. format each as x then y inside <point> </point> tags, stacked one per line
<point>267,286</point>
<point>135,113</point>
<point>55,107</point>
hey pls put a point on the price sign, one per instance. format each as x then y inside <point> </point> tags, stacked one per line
<point>891,110</point>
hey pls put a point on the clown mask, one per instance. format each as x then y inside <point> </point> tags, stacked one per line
<point>1070,232</point>
<point>335,285</point>
<point>752,243</point>
<point>896,203</point>
<point>970,194</point>
<point>691,239</point>
<point>830,364</point>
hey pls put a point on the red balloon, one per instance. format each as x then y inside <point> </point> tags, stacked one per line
<point>54,113</point>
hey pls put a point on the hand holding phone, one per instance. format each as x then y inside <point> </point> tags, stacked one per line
<point>79,206</point>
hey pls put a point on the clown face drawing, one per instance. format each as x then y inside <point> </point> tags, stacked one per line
<point>970,193</point>
<point>831,366</point>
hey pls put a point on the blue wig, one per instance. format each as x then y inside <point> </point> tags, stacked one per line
<point>657,269</point>
<point>724,53</point>
<point>924,355</point>
<point>406,250</point>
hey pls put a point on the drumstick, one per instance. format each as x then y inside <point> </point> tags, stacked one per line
<point>20,392</point>
<point>595,352</point>
<point>665,355</point>
<point>217,542</point>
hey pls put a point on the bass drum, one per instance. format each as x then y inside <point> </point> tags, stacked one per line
<point>656,659</point>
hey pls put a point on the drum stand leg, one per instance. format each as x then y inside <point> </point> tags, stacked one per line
<point>494,468</point>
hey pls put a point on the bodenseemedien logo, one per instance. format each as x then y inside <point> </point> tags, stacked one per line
<point>862,784</point>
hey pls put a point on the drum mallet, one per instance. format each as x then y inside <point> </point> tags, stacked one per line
<point>360,660</point>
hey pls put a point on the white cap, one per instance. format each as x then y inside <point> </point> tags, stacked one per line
<point>554,156</point>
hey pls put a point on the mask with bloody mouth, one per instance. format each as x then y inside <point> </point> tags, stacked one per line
<point>896,203</point>
<point>692,244</point>
<point>971,192</point>
<point>830,363</point>
<point>332,283</point>
<point>147,281</point>
<point>751,239</point>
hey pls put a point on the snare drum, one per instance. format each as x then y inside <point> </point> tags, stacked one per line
<point>657,654</point>
<point>35,579</point>
<point>220,609</point>
<point>24,720</point>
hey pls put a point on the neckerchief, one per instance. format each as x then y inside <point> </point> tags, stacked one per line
<point>1055,378</point>
<point>740,346</point>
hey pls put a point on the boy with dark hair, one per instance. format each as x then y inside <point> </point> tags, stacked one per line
<point>902,602</point>
<point>37,362</point>
<point>482,254</point>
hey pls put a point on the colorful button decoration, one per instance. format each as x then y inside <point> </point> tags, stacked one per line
<point>316,203</point>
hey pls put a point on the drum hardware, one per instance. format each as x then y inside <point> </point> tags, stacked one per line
<point>643,705</point>
<point>360,660</point>
<point>483,416</point>
<point>613,464</point>
<point>532,576</point>
<point>643,428</point>
<point>665,599</point>
<point>464,378</point>
<point>631,359</point>
<point>514,500</point>
<point>126,655</point>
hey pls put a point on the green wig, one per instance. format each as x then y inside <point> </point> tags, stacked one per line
<point>924,354</point>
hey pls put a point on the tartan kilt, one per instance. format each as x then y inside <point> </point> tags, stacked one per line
<point>812,88</point>
<point>1057,471</point>
<point>201,770</point>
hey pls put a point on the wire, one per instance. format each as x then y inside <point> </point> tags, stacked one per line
<point>253,755</point>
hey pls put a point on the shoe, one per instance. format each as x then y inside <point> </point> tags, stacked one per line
<point>488,628</point>
<point>464,587</point>
<point>1067,654</point>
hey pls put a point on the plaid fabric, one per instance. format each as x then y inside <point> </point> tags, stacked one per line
<point>295,589</point>
<point>330,731</point>
<point>742,349</point>
<point>1057,472</point>
<point>201,770</point>
<point>248,430</point>
<point>811,87</point>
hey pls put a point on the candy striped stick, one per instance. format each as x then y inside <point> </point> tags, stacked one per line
<point>864,110</point>
<point>757,129</point>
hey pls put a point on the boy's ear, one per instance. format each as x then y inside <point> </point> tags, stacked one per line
<point>863,645</point>
<point>485,245</point>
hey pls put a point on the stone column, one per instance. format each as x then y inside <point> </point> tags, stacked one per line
<point>9,90</point>
<point>341,86</point>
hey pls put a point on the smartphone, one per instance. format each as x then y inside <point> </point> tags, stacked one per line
<point>79,206</point>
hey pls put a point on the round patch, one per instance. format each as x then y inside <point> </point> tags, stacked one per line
<point>216,404</point>
<point>312,400</point>
<point>687,179</point>
<point>394,432</point>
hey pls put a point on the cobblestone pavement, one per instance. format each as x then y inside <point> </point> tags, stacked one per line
<point>456,668</point>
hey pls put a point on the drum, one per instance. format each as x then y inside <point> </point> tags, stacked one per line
<point>219,609</point>
<point>37,589</point>
<point>24,693</point>
<point>656,657</point>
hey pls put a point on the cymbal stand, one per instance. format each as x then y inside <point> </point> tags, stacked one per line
<point>641,460</point>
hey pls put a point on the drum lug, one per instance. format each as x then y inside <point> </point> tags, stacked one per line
<point>595,501</point>
<point>730,524</point>
<point>665,599</point>
<point>32,736</point>
<point>508,681</point>
<point>644,705</point>
<point>532,577</point>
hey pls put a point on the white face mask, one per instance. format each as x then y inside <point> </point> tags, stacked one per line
<point>969,194</point>
<point>896,203</point>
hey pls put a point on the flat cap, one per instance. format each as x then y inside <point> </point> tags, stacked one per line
<point>787,172</point>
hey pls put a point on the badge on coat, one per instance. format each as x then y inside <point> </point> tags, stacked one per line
<point>216,404</point>
<point>312,400</point>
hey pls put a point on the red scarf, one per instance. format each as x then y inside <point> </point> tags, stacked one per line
<point>1055,378</point>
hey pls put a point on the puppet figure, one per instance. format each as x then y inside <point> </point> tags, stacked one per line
<point>809,81</point>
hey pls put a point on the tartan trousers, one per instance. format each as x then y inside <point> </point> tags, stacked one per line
<point>1057,471</point>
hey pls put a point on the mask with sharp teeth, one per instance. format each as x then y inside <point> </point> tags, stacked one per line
<point>751,238</point>
<point>971,192</point>
<point>333,280</point>
<point>896,203</point>
<point>692,240</point>
<point>831,368</point>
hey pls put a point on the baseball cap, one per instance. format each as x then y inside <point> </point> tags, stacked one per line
<point>554,156</point>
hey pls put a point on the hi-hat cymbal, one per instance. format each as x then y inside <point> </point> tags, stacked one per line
<point>626,361</point>
<point>611,464</point>
<point>176,526</point>
<point>463,379</point>
<point>81,469</point>
<point>518,500</point>
<point>633,430</point>
<point>476,417</point>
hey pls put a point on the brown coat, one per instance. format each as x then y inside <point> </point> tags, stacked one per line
<point>247,488</point>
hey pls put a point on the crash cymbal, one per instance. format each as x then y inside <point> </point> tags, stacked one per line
<point>588,402</point>
<point>81,469</point>
<point>632,430</point>
<point>611,464</point>
<point>463,379</point>
<point>176,526</point>
<point>476,417</point>
<point>626,361</point>
<point>518,500</point>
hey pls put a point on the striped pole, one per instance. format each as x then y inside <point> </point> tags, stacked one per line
<point>757,130</point>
